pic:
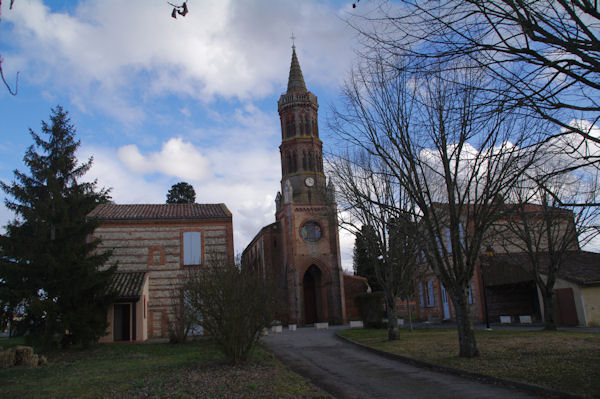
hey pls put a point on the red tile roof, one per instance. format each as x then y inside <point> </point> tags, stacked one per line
<point>159,211</point>
<point>127,285</point>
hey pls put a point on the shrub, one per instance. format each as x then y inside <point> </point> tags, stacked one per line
<point>370,308</point>
<point>235,305</point>
<point>185,317</point>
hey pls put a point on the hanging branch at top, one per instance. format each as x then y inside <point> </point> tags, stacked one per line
<point>11,4</point>
<point>14,93</point>
<point>181,10</point>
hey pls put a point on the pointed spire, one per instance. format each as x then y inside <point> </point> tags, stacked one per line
<point>295,81</point>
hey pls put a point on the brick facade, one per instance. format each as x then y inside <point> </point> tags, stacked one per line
<point>152,242</point>
<point>510,290</point>
<point>300,251</point>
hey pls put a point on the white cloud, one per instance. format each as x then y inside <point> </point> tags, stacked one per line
<point>177,158</point>
<point>118,59</point>
<point>250,195</point>
<point>126,186</point>
<point>109,54</point>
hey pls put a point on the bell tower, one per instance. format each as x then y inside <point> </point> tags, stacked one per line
<point>300,252</point>
<point>306,215</point>
<point>301,150</point>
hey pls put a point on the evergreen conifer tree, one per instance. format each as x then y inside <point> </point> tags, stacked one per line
<point>181,193</point>
<point>366,251</point>
<point>50,270</point>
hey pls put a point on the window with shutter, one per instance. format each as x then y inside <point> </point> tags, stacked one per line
<point>192,248</point>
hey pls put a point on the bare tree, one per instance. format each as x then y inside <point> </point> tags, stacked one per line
<point>369,195</point>
<point>404,256</point>
<point>452,151</point>
<point>550,217</point>
<point>541,56</point>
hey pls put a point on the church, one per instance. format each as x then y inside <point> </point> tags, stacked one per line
<point>300,251</point>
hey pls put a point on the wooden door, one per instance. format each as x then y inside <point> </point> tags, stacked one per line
<point>564,307</point>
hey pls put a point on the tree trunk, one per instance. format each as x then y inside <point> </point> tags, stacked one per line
<point>390,302</point>
<point>549,321</point>
<point>410,323</point>
<point>466,336</point>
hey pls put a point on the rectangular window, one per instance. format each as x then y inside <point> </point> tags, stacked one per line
<point>430,298</point>
<point>192,248</point>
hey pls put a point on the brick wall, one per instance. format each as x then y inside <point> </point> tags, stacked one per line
<point>157,248</point>
<point>353,285</point>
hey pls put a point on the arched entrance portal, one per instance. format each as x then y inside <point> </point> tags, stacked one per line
<point>312,294</point>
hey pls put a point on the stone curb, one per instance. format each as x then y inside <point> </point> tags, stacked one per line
<point>535,389</point>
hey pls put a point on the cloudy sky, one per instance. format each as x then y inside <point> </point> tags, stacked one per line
<point>158,100</point>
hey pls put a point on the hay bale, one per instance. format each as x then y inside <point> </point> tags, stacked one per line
<point>7,358</point>
<point>24,356</point>
<point>43,361</point>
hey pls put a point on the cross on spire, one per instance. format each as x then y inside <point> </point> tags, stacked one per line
<point>293,40</point>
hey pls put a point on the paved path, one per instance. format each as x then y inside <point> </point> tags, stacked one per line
<point>347,371</point>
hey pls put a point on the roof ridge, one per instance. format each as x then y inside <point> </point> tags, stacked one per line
<point>160,211</point>
<point>224,208</point>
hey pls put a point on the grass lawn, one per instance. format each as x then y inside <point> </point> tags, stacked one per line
<point>191,370</point>
<point>565,361</point>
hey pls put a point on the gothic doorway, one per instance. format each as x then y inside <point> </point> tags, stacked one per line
<point>312,294</point>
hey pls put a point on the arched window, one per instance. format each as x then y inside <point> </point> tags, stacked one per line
<point>288,128</point>
<point>319,162</point>
<point>307,124</point>
<point>311,165</point>
<point>289,162</point>
<point>304,160</point>
<point>301,125</point>
<point>294,162</point>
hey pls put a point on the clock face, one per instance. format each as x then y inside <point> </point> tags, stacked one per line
<point>309,181</point>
